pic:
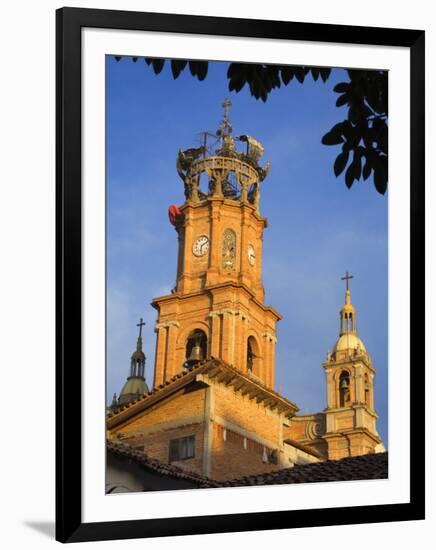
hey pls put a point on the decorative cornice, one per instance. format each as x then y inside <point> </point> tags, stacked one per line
<point>271,337</point>
<point>210,289</point>
<point>167,324</point>
<point>229,311</point>
<point>214,369</point>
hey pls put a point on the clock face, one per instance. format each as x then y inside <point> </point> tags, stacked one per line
<point>201,246</point>
<point>251,254</point>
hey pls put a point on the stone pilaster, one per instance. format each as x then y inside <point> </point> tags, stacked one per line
<point>215,331</point>
<point>269,344</point>
<point>172,368</point>
<point>160,357</point>
<point>212,275</point>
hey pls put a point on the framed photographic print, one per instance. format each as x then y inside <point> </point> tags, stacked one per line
<point>240,248</point>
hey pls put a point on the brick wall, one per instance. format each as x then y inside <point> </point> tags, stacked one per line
<point>232,457</point>
<point>185,404</point>
<point>178,416</point>
<point>246,413</point>
<point>156,445</point>
<point>242,429</point>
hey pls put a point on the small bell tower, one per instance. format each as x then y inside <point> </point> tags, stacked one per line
<point>217,306</point>
<point>350,413</point>
<point>135,384</point>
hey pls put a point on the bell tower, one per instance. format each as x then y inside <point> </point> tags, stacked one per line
<point>350,413</point>
<point>135,384</point>
<point>217,306</point>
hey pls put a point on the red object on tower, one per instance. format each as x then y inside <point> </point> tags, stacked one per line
<point>175,214</point>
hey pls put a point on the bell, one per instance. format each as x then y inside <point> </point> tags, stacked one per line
<point>344,384</point>
<point>196,354</point>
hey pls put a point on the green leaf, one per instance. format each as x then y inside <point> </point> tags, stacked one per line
<point>331,139</point>
<point>177,66</point>
<point>158,65</point>
<point>315,73</point>
<point>237,84</point>
<point>325,73</point>
<point>367,169</point>
<point>202,70</point>
<point>380,167</point>
<point>380,179</point>
<point>349,176</point>
<point>193,68</point>
<point>357,163</point>
<point>340,163</point>
<point>334,137</point>
<point>342,87</point>
<point>273,72</point>
<point>287,75</point>
<point>342,100</point>
<point>299,74</point>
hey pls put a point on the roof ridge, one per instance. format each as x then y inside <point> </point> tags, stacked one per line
<point>160,387</point>
<point>157,465</point>
<point>326,470</point>
<point>196,369</point>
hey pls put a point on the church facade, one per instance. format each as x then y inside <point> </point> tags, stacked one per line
<point>213,408</point>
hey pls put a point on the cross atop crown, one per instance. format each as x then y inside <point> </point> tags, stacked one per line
<point>347,278</point>
<point>227,104</point>
<point>226,127</point>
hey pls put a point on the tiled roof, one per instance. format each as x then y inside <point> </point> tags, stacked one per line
<point>304,448</point>
<point>371,466</point>
<point>212,368</point>
<point>170,470</point>
<point>156,389</point>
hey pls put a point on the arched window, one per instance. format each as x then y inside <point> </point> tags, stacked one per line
<point>250,355</point>
<point>344,389</point>
<point>196,347</point>
<point>253,359</point>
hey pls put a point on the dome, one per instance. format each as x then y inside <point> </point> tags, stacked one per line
<point>347,341</point>
<point>134,385</point>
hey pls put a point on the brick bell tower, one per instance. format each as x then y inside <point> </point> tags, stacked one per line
<point>216,308</point>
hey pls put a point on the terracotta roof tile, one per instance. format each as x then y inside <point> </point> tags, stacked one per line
<point>371,466</point>
<point>204,365</point>
<point>170,470</point>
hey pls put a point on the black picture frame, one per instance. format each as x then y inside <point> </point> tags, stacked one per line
<point>69,22</point>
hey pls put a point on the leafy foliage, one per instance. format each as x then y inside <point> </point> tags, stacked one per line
<point>363,135</point>
<point>261,79</point>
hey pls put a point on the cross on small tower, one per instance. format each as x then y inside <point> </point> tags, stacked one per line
<point>347,278</point>
<point>226,127</point>
<point>227,104</point>
<point>140,325</point>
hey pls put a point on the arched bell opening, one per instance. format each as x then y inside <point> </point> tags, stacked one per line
<point>344,389</point>
<point>367,391</point>
<point>137,367</point>
<point>253,359</point>
<point>196,348</point>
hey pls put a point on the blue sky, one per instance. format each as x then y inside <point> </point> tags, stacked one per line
<point>317,230</point>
